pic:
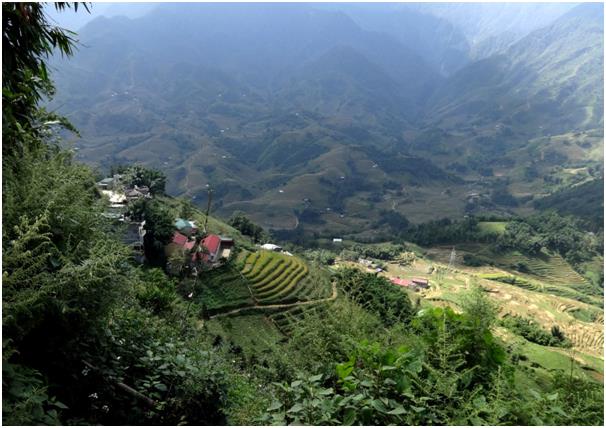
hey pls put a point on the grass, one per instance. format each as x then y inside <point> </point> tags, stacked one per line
<point>223,289</point>
<point>492,227</point>
<point>538,362</point>
<point>254,333</point>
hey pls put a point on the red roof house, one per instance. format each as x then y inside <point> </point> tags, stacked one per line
<point>421,282</point>
<point>212,247</point>
<point>212,243</point>
<point>179,239</point>
<point>402,282</point>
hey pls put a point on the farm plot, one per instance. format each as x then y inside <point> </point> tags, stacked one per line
<point>275,277</point>
<point>287,320</point>
<point>223,289</point>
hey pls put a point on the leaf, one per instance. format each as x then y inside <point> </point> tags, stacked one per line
<point>60,405</point>
<point>397,411</point>
<point>296,408</point>
<point>479,401</point>
<point>315,378</point>
<point>379,406</point>
<point>274,406</point>
<point>295,383</point>
<point>350,417</point>
<point>345,369</point>
<point>357,397</point>
<point>161,387</point>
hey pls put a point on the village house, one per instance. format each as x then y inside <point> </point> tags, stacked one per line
<point>271,247</point>
<point>421,282</point>
<point>365,262</point>
<point>110,183</point>
<point>206,251</point>
<point>402,282</point>
<point>186,227</point>
<point>415,284</point>
<point>137,192</point>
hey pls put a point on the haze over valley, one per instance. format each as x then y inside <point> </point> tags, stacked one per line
<point>320,214</point>
<point>325,116</point>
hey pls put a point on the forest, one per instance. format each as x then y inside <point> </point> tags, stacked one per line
<point>91,337</point>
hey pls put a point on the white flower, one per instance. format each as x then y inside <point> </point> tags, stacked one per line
<point>190,295</point>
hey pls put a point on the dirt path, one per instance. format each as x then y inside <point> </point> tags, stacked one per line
<point>282,305</point>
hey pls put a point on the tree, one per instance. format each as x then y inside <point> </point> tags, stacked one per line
<point>246,227</point>
<point>138,175</point>
<point>27,40</point>
<point>159,226</point>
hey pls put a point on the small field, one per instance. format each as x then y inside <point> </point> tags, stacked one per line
<point>492,227</point>
<point>253,333</point>
<point>223,289</point>
<point>278,278</point>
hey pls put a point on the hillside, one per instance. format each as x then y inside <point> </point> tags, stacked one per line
<point>548,78</point>
<point>124,305</point>
<point>329,94</point>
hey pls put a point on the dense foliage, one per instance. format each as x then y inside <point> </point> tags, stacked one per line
<point>562,235</point>
<point>534,333</point>
<point>247,227</point>
<point>89,337</point>
<point>138,175</point>
<point>377,295</point>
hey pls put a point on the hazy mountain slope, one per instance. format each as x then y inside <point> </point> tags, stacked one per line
<point>551,78</point>
<point>439,42</point>
<point>302,116</point>
<point>491,27</point>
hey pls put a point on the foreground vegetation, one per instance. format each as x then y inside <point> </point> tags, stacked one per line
<point>91,337</point>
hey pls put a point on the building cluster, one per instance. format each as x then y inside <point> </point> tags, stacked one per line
<point>119,195</point>
<point>196,251</point>
<point>415,284</point>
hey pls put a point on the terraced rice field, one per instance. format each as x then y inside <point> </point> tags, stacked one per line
<point>223,289</point>
<point>286,320</point>
<point>549,268</point>
<point>254,333</point>
<point>276,277</point>
<point>533,285</point>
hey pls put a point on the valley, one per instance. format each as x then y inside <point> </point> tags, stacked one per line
<point>303,214</point>
<point>360,122</point>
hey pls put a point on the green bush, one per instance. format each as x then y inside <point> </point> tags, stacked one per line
<point>376,294</point>
<point>533,333</point>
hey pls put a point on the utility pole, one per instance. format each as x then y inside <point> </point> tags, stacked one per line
<point>210,193</point>
<point>453,255</point>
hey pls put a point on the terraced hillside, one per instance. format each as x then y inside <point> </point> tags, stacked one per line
<point>222,290</point>
<point>276,277</point>
<point>552,270</point>
<point>287,320</point>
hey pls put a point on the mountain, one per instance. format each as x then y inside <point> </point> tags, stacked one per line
<point>321,118</point>
<point>551,81</point>
<point>440,43</point>
<point>492,27</point>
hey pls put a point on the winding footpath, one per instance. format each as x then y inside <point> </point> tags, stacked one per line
<point>282,305</point>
